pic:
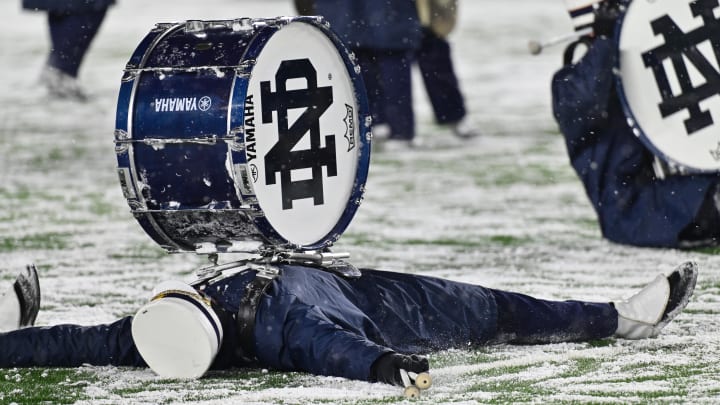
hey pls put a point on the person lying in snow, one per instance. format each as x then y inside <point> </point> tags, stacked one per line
<point>300,318</point>
<point>634,205</point>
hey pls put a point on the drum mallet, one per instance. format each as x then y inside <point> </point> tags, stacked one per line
<point>535,47</point>
<point>414,383</point>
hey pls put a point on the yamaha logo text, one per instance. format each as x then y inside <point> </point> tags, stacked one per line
<point>181,104</point>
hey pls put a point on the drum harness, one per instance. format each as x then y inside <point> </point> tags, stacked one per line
<point>266,271</point>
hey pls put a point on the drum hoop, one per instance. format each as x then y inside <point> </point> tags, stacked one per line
<point>630,118</point>
<point>253,51</point>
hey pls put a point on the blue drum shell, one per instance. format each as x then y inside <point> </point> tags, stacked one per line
<point>174,105</point>
<point>177,174</point>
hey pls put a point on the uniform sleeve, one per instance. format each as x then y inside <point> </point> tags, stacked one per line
<point>293,335</point>
<point>633,206</point>
<point>317,345</point>
<point>70,346</point>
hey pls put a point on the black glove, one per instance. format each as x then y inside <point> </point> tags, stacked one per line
<point>606,16</point>
<point>386,369</point>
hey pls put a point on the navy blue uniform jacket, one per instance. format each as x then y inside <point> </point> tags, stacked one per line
<point>336,326</point>
<point>633,206</point>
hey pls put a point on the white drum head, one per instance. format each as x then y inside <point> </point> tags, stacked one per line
<point>304,167</point>
<point>669,79</point>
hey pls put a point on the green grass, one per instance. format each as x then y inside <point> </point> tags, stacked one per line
<point>36,385</point>
<point>139,252</point>
<point>47,241</point>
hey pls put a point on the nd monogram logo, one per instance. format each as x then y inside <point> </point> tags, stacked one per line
<point>678,46</point>
<point>282,157</point>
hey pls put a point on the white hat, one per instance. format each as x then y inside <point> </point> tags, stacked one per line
<point>177,333</point>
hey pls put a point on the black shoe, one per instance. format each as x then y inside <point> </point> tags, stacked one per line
<point>27,289</point>
<point>682,284</point>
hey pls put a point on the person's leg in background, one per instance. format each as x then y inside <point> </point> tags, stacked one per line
<point>386,74</point>
<point>395,80</point>
<point>70,36</point>
<point>441,83</point>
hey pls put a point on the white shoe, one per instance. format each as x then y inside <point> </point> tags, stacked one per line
<point>464,130</point>
<point>397,145</point>
<point>20,303</point>
<point>61,85</point>
<point>646,313</point>
<point>381,132</point>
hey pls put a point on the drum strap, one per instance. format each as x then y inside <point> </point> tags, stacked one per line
<point>247,310</point>
<point>569,54</point>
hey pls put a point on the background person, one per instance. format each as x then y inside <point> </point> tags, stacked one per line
<point>73,25</point>
<point>634,205</point>
<point>384,36</point>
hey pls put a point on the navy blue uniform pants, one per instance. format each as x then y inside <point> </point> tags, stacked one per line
<point>70,36</point>
<point>387,75</point>
<point>441,83</point>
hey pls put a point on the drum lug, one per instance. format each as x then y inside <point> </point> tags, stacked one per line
<point>137,207</point>
<point>245,67</point>
<point>162,27</point>
<point>243,25</point>
<point>280,21</point>
<point>237,136</point>
<point>121,141</point>
<point>131,73</point>
<point>195,27</point>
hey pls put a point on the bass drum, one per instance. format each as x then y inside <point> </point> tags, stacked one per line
<point>669,79</point>
<point>243,130</point>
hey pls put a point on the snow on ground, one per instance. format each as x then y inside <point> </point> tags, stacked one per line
<point>505,211</point>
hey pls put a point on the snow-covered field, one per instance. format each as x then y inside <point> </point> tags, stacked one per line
<point>504,210</point>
